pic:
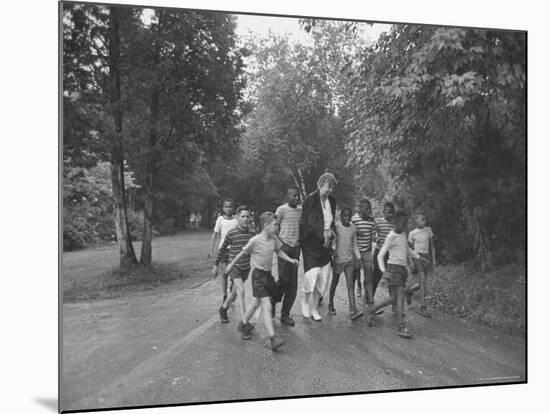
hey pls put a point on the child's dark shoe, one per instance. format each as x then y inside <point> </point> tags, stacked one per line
<point>403,332</point>
<point>276,342</point>
<point>331,309</point>
<point>424,312</point>
<point>354,314</point>
<point>287,320</point>
<point>223,315</point>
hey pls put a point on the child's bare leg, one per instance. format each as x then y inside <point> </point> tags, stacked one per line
<point>399,296</point>
<point>369,299</point>
<point>238,286</point>
<point>266,315</point>
<point>251,310</point>
<point>333,285</point>
<point>350,284</point>
<point>232,296</point>
<point>422,289</point>
<point>223,278</point>
<point>357,273</point>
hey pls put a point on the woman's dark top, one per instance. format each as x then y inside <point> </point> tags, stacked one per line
<point>312,231</point>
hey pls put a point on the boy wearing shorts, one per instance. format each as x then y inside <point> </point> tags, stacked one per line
<point>232,245</point>
<point>264,289</point>
<point>383,227</point>
<point>395,273</point>
<point>421,240</point>
<point>346,255</point>
<point>224,223</point>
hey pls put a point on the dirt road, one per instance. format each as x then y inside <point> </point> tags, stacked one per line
<point>169,347</point>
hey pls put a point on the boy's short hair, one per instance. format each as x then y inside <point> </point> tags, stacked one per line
<point>242,208</point>
<point>400,214</point>
<point>364,200</point>
<point>292,187</point>
<point>389,204</point>
<point>346,209</point>
<point>228,200</point>
<point>267,218</point>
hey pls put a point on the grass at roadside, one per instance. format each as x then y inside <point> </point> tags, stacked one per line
<point>93,274</point>
<point>495,298</point>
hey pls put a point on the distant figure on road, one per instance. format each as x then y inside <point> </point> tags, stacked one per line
<point>289,221</point>
<point>192,220</point>
<point>261,248</point>
<point>395,273</point>
<point>316,236</point>
<point>224,223</point>
<point>198,220</point>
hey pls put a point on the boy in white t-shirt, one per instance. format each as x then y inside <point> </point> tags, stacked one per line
<point>395,272</point>
<point>421,240</point>
<point>224,223</point>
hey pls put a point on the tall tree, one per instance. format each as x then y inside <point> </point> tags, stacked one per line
<point>444,108</point>
<point>92,106</point>
<point>185,92</point>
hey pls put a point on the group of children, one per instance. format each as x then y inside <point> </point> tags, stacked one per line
<point>378,247</point>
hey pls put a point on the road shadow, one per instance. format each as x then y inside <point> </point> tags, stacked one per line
<point>49,403</point>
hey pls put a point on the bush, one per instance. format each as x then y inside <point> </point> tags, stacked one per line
<point>167,227</point>
<point>495,299</point>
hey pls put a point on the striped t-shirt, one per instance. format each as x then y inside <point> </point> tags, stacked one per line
<point>289,220</point>
<point>383,228</point>
<point>366,232</point>
<point>234,241</point>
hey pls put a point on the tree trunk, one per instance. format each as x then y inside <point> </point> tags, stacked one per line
<point>151,167</point>
<point>303,188</point>
<point>127,253</point>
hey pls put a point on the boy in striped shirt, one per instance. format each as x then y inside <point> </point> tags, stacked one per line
<point>289,221</point>
<point>224,223</point>
<point>366,233</point>
<point>383,227</point>
<point>232,245</point>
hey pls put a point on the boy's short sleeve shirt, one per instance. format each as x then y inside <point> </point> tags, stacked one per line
<point>396,245</point>
<point>420,238</point>
<point>344,242</point>
<point>261,251</point>
<point>290,224</point>
<point>223,226</point>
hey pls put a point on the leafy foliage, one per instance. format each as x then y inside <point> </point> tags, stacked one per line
<point>445,108</point>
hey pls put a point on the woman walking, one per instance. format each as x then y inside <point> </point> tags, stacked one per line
<point>316,236</point>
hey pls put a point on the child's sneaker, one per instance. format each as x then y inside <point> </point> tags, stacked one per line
<point>424,312</point>
<point>369,315</point>
<point>403,332</point>
<point>246,331</point>
<point>331,309</point>
<point>354,314</point>
<point>276,342</point>
<point>223,315</point>
<point>316,316</point>
<point>241,324</point>
<point>287,320</point>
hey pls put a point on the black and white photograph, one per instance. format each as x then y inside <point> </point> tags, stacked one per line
<point>258,207</point>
